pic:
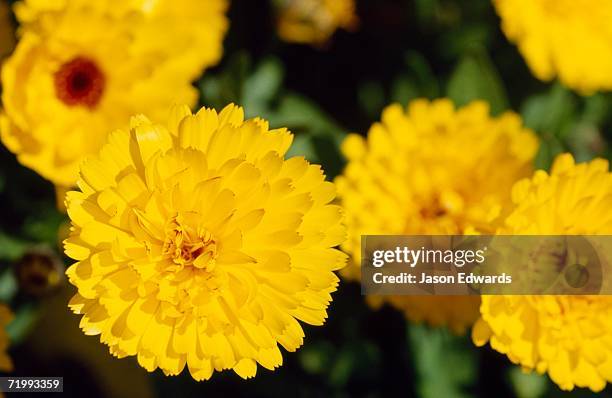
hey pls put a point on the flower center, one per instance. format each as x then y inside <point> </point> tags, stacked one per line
<point>439,213</point>
<point>432,212</point>
<point>189,244</point>
<point>79,82</point>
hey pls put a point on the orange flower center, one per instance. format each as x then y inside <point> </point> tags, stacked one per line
<point>80,82</point>
<point>188,244</point>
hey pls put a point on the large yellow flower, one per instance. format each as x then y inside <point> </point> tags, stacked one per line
<point>569,337</point>
<point>432,169</point>
<point>199,244</point>
<point>314,21</point>
<point>81,68</point>
<point>568,39</point>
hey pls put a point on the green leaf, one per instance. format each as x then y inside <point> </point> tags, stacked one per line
<point>328,152</point>
<point>585,141</point>
<point>465,37</point>
<point>596,109</point>
<point>306,119</point>
<point>426,11</point>
<point>342,368</point>
<point>299,113</point>
<point>262,86</point>
<point>44,227</point>
<point>475,77</point>
<point>303,146</point>
<point>218,90</point>
<point>11,248</point>
<point>317,357</point>
<point>24,321</point>
<point>550,147</point>
<point>418,81</point>
<point>424,77</point>
<point>404,90</point>
<point>445,364</point>
<point>211,91</point>
<point>371,96</point>
<point>552,112</point>
<point>527,385</point>
<point>8,285</point>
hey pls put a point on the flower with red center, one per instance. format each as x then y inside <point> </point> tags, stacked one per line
<point>79,82</point>
<point>82,68</point>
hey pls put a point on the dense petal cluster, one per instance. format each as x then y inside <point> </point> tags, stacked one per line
<point>569,337</point>
<point>6,316</point>
<point>198,244</point>
<point>568,39</point>
<point>432,169</point>
<point>314,21</point>
<point>82,68</point>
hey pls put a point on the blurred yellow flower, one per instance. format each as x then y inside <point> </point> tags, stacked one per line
<point>198,243</point>
<point>314,21</point>
<point>568,39</point>
<point>566,336</point>
<point>457,313</point>
<point>81,68</point>
<point>432,169</point>
<point>6,316</point>
<point>7,30</point>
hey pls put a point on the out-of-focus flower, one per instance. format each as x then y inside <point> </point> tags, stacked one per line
<point>6,316</point>
<point>314,21</point>
<point>7,30</point>
<point>432,169</point>
<point>81,69</point>
<point>199,244</point>
<point>568,39</point>
<point>39,271</point>
<point>567,337</point>
<point>457,313</point>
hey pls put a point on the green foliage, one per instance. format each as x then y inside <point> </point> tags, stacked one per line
<point>475,78</point>
<point>527,385</point>
<point>11,248</point>
<point>445,364</point>
<point>566,123</point>
<point>23,323</point>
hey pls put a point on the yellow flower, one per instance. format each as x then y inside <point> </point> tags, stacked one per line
<point>457,313</point>
<point>198,243</point>
<point>569,337</point>
<point>568,39</point>
<point>314,21</point>
<point>432,169</point>
<point>82,68</point>
<point>6,316</point>
<point>7,30</point>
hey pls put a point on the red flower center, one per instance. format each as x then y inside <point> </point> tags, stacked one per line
<point>79,82</point>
